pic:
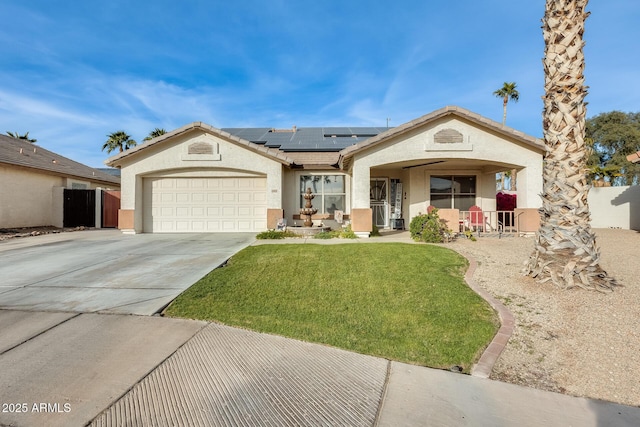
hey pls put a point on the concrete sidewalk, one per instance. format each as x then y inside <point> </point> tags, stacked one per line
<point>113,370</point>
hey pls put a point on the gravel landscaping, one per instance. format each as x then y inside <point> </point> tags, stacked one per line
<point>575,342</point>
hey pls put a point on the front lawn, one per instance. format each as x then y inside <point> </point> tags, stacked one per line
<point>398,301</point>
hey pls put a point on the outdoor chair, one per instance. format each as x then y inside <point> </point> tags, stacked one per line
<point>477,220</point>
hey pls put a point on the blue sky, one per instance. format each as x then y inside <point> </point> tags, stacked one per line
<point>72,72</point>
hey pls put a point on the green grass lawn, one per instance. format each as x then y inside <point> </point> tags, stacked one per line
<point>398,301</point>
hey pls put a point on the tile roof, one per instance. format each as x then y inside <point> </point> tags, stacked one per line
<point>18,152</point>
<point>325,147</point>
<point>260,148</point>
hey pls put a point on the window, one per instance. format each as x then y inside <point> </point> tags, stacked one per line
<point>329,191</point>
<point>457,192</point>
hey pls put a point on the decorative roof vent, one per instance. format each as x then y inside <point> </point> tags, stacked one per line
<point>448,136</point>
<point>200,148</point>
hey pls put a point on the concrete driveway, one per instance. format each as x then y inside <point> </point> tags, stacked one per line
<point>107,271</point>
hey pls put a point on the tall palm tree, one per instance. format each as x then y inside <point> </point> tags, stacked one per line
<point>508,92</point>
<point>24,137</point>
<point>565,249</point>
<point>118,140</point>
<point>155,133</point>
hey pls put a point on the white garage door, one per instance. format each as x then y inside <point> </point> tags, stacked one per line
<point>190,205</point>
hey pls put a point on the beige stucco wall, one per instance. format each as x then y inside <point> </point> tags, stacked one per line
<point>617,207</point>
<point>482,153</point>
<point>170,158</point>
<point>26,197</point>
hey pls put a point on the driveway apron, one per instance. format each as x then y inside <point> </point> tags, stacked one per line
<point>107,271</point>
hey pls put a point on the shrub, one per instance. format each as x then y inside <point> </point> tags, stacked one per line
<point>345,233</point>
<point>348,233</point>
<point>428,228</point>
<point>375,232</point>
<point>275,234</point>
<point>327,234</point>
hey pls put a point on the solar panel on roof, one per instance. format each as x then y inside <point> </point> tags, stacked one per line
<point>307,139</point>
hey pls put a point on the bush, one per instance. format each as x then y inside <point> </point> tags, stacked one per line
<point>275,234</point>
<point>375,232</point>
<point>326,235</point>
<point>347,233</point>
<point>428,228</point>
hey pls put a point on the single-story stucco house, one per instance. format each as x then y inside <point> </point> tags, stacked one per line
<point>32,180</point>
<point>202,179</point>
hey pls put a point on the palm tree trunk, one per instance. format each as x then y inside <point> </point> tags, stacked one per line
<point>504,110</point>
<point>565,246</point>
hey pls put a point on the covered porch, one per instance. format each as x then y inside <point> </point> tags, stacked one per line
<point>463,190</point>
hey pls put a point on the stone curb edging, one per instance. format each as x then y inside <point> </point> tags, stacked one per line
<point>483,367</point>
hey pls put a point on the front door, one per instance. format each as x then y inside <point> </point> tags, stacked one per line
<point>379,199</point>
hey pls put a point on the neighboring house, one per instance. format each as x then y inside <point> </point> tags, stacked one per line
<point>201,179</point>
<point>29,177</point>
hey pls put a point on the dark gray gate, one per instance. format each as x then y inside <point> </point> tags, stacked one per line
<point>79,208</point>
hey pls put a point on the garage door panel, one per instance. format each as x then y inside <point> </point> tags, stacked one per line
<point>213,184</point>
<point>228,197</point>
<point>169,183</point>
<point>245,197</point>
<point>230,225</point>
<point>204,204</point>
<point>197,183</point>
<point>183,226</point>
<point>245,211</point>
<point>229,183</point>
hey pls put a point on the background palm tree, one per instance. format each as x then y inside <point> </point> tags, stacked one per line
<point>508,92</point>
<point>24,137</point>
<point>118,140</point>
<point>565,246</point>
<point>155,133</point>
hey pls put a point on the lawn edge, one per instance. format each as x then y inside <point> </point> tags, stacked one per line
<point>483,367</point>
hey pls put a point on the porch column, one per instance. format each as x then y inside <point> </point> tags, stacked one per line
<point>360,186</point>
<point>530,186</point>
<point>361,216</point>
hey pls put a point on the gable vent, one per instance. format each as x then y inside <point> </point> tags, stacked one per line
<point>448,136</point>
<point>200,148</point>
